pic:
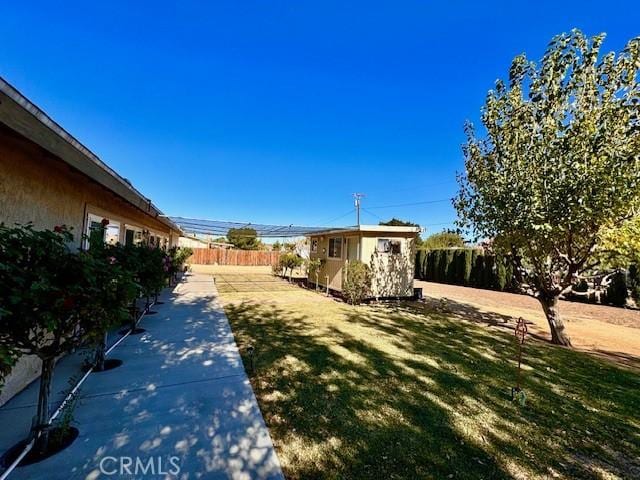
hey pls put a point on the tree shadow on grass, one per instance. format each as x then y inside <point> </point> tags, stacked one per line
<point>469,312</point>
<point>401,391</point>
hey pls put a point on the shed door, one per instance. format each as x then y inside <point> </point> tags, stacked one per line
<point>352,248</point>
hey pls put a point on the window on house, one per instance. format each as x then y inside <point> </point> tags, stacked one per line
<point>314,245</point>
<point>132,235</point>
<point>95,232</point>
<point>112,233</point>
<point>386,245</point>
<point>335,247</point>
<point>129,235</point>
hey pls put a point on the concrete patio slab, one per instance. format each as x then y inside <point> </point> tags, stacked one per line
<point>181,406</point>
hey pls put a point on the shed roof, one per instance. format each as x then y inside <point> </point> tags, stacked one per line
<point>22,116</point>
<point>366,229</point>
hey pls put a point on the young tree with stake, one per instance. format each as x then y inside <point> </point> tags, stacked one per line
<point>117,288</point>
<point>46,293</point>
<point>559,163</point>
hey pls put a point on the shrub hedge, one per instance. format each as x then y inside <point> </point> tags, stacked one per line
<point>473,268</point>
<point>464,266</point>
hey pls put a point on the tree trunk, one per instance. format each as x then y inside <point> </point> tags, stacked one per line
<point>100,353</point>
<point>552,311</point>
<point>43,414</point>
<point>134,315</point>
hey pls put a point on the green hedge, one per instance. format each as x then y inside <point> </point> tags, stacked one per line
<point>464,266</point>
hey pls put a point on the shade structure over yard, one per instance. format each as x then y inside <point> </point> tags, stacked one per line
<point>221,228</point>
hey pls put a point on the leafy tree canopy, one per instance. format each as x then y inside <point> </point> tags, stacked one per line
<point>445,239</point>
<point>620,245</point>
<point>396,222</point>
<point>559,162</point>
<point>243,238</point>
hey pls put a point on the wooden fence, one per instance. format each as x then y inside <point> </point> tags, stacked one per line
<point>220,256</point>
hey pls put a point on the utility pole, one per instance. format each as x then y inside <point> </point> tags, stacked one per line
<point>357,197</point>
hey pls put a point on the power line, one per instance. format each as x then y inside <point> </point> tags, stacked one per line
<point>373,214</point>
<point>339,217</point>
<point>427,202</point>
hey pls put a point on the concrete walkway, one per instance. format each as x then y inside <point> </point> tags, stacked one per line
<point>181,401</point>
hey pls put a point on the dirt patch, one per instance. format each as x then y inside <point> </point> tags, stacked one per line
<point>609,332</point>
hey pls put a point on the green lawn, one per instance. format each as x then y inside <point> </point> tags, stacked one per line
<point>401,391</point>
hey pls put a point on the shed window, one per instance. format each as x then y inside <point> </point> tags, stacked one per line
<point>314,245</point>
<point>386,245</point>
<point>335,247</point>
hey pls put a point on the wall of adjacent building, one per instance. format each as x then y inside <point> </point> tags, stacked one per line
<point>37,187</point>
<point>392,274</point>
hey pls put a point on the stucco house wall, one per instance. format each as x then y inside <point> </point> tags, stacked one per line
<point>38,187</point>
<point>392,274</point>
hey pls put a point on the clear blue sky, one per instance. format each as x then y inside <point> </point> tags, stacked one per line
<point>275,112</point>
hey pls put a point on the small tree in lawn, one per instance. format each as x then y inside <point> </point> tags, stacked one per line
<point>313,269</point>
<point>46,293</point>
<point>290,261</point>
<point>560,162</point>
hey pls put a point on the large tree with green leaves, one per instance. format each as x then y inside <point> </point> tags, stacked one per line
<point>619,245</point>
<point>396,222</point>
<point>559,162</point>
<point>243,238</point>
<point>445,239</point>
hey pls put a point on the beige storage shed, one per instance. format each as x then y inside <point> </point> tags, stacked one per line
<point>389,251</point>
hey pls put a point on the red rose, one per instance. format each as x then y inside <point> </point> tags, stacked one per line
<point>57,229</point>
<point>104,222</point>
<point>68,303</point>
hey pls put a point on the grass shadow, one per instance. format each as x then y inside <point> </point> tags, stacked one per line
<point>404,391</point>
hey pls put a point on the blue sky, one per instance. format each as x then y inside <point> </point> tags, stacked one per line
<point>276,112</point>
